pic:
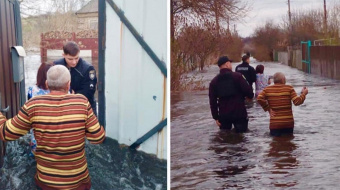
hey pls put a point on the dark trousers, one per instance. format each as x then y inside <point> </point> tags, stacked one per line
<point>240,124</point>
<point>280,132</point>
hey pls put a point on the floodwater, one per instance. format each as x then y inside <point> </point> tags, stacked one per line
<point>111,165</point>
<point>202,157</point>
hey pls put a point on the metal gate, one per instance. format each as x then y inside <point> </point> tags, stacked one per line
<point>11,94</point>
<point>132,72</point>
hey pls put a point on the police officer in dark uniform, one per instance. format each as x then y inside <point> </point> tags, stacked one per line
<point>246,70</point>
<point>83,74</point>
<point>227,92</point>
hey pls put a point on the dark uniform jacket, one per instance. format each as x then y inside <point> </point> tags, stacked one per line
<point>247,71</point>
<point>83,79</point>
<point>227,92</point>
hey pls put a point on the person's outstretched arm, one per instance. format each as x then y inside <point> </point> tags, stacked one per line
<point>298,100</point>
<point>16,127</point>
<point>262,100</point>
<point>95,133</point>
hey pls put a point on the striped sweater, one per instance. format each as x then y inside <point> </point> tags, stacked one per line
<point>60,123</point>
<point>279,98</point>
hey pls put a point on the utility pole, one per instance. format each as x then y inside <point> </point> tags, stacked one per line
<point>325,15</point>
<point>290,24</point>
<point>289,13</point>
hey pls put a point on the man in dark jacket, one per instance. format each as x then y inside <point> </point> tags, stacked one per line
<point>227,92</point>
<point>83,74</point>
<point>246,70</point>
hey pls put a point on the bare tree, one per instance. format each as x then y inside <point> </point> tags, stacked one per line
<point>202,10</point>
<point>264,44</point>
<point>198,35</point>
<point>40,16</point>
<point>38,7</point>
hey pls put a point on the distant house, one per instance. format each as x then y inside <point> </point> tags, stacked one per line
<point>88,16</point>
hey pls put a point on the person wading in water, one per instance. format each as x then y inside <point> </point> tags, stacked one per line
<point>277,100</point>
<point>227,92</point>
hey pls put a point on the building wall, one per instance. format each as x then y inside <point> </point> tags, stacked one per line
<point>88,21</point>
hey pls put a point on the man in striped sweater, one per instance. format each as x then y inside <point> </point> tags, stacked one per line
<point>277,100</point>
<point>60,121</point>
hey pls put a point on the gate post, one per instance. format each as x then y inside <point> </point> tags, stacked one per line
<point>307,56</point>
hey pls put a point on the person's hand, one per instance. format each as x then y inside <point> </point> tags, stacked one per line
<point>218,123</point>
<point>304,91</point>
<point>73,92</point>
<point>249,100</point>
<point>271,113</point>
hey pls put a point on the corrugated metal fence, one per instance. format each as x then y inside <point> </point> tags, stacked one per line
<point>325,61</point>
<point>10,35</point>
<point>10,92</point>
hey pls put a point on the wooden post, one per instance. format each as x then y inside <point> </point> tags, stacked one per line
<point>290,24</point>
<point>42,49</point>
<point>325,15</point>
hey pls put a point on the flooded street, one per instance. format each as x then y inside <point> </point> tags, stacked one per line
<point>111,165</point>
<point>202,157</point>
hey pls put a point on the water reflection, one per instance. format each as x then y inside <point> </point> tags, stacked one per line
<point>281,149</point>
<point>230,146</point>
<point>281,154</point>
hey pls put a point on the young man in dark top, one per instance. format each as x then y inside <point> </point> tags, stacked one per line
<point>246,70</point>
<point>227,92</point>
<point>83,74</point>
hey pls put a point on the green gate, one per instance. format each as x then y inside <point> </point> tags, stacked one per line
<point>305,47</point>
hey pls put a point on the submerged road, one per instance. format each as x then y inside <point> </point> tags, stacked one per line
<point>202,157</point>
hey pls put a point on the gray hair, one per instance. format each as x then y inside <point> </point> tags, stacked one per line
<point>58,77</point>
<point>278,78</point>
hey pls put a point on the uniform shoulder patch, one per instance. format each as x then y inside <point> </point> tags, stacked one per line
<point>92,74</point>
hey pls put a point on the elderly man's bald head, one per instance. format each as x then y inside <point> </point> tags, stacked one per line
<point>58,78</point>
<point>279,78</point>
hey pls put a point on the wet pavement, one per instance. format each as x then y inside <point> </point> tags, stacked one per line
<point>111,165</point>
<point>202,157</point>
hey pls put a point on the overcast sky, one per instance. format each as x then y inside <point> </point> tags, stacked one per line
<point>274,10</point>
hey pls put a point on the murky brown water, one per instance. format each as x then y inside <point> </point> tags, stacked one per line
<point>202,157</point>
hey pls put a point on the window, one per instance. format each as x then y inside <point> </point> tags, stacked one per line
<point>93,25</point>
